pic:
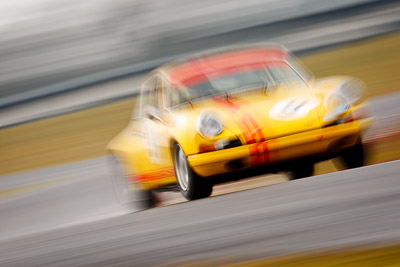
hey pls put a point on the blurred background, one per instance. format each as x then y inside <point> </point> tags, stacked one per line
<point>51,46</point>
<point>70,71</point>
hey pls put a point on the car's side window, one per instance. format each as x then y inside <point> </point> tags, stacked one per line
<point>149,91</point>
<point>151,97</point>
<point>176,95</point>
<point>173,95</point>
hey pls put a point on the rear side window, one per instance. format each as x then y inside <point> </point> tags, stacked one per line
<point>150,94</point>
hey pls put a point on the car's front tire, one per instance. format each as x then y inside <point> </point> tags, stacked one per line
<point>191,185</point>
<point>127,195</point>
<point>353,157</point>
<point>301,170</point>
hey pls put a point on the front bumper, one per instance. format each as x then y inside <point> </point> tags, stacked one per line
<point>316,144</point>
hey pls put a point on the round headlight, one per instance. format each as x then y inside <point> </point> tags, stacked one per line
<point>208,125</point>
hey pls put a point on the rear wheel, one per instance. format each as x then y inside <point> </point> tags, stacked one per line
<point>191,185</point>
<point>129,195</point>
<point>302,170</point>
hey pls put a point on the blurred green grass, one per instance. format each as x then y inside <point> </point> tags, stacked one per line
<point>72,137</point>
<point>361,257</point>
<point>84,134</point>
<point>375,61</point>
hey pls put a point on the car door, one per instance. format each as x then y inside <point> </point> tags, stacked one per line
<point>154,130</point>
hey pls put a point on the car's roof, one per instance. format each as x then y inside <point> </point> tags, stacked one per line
<point>180,70</point>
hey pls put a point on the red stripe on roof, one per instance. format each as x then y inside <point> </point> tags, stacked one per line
<point>194,69</point>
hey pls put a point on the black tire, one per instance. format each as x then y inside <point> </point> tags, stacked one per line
<point>300,171</point>
<point>190,184</point>
<point>127,195</point>
<point>353,157</point>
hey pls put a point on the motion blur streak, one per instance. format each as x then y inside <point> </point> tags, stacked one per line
<point>358,207</point>
<point>51,46</point>
<point>61,61</point>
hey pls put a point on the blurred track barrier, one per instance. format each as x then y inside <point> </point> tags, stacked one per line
<point>52,54</point>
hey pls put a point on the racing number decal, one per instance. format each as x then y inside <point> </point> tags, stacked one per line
<point>293,108</point>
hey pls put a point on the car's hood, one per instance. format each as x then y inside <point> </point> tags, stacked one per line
<point>258,116</point>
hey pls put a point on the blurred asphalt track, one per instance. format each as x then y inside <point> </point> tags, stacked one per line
<point>337,210</point>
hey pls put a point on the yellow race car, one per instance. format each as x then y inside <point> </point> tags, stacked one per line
<point>231,113</point>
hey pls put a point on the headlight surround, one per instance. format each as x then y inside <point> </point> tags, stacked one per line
<point>335,104</point>
<point>209,125</point>
<point>348,93</point>
<point>353,90</point>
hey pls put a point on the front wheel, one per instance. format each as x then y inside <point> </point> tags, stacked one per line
<point>299,171</point>
<point>353,157</point>
<point>191,185</point>
<point>129,195</point>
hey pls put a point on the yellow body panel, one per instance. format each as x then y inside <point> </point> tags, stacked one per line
<point>315,142</point>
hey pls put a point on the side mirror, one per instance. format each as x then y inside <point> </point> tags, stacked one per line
<point>152,113</point>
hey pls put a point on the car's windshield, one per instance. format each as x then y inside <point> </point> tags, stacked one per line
<point>237,79</point>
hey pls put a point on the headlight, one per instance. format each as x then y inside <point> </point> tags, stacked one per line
<point>348,93</point>
<point>208,125</point>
